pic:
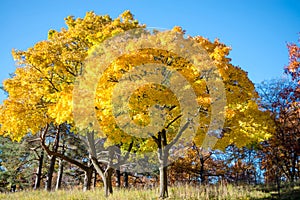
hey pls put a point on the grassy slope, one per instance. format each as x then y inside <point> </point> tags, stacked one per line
<point>182,192</point>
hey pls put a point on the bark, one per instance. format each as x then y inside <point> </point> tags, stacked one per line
<point>38,178</point>
<point>202,169</point>
<point>88,175</point>
<point>52,162</point>
<point>50,174</point>
<point>102,174</point>
<point>60,169</point>
<point>118,177</point>
<point>93,155</point>
<point>163,182</point>
<point>59,174</point>
<point>163,155</point>
<point>95,178</point>
<point>118,172</point>
<point>108,176</point>
<point>125,174</point>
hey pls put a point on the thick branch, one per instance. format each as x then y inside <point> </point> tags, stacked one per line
<point>178,135</point>
<point>53,153</point>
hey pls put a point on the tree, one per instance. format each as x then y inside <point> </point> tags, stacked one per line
<point>280,152</point>
<point>244,121</point>
<point>15,166</point>
<point>293,67</point>
<point>41,93</point>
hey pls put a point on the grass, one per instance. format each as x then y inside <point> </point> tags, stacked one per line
<point>227,192</point>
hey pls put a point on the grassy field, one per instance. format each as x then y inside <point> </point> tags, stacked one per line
<point>182,192</point>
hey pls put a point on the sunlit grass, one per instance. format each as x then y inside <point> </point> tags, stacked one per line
<point>181,192</point>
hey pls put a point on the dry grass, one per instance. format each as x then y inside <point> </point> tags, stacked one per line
<point>180,192</point>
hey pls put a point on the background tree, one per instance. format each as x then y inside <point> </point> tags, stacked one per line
<point>280,152</point>
<point>15,165</point>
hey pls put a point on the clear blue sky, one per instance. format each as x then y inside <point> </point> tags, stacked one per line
<point>257,30</point>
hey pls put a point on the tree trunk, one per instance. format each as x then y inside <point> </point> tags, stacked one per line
<point>125,175</point>
<point>60,168</point>
<point>88,175</point>
<point>202,169</point>
<point>105,176</point>
<point>108,179</point>
<point>52,161</point>
<point>95,178</point>
<point>50,173</point>
<point>163,155</point>
<point>38,178</point>
<point>293,174</point>
<point>59,174</point>
<point>163,180</point>
<point>118,177</point>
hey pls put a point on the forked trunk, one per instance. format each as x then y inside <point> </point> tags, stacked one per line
<point>106,177</point>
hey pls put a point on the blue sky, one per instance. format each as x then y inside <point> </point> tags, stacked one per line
<point>257,30</point>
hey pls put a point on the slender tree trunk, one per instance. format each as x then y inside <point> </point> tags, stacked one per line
<point>294,160</point>
<point>38,178</point>
<point>105,176</point>
<point>52,161</point>
<point>50,173</point>
<point>60,168</point>
<point>125,175</point>
<point>118,172</point>
<point>59,174</point>
<point>108,177</point>
<point>95,178</point>
<point>163,155</point>
<point>202,169</point>
<point>118,177</point>
<point>163,178</point>
<point>88,175</point>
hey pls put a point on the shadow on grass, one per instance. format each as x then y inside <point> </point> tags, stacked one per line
<point>293,194</point>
